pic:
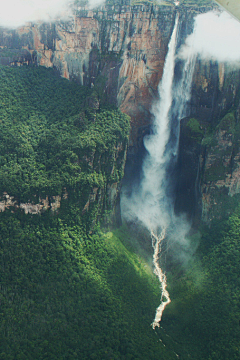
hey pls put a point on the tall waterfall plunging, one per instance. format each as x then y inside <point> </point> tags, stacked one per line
<point>150,202</point>
<point>153,186</point>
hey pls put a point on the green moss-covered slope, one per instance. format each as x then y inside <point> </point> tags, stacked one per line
<point>65,295</point>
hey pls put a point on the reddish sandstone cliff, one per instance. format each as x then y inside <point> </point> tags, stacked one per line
<point>119,50</point>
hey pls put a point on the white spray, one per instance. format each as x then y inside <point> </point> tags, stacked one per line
<point>150,203</point>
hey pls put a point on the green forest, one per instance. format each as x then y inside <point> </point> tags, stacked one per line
<point>55,138</point>
<point>71,288</point>
<point>45,134</point>
<point>204,316</point>
<point>66,294</point>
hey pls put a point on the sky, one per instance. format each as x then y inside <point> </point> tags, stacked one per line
<point>14,13</point>
<point>216,36</point>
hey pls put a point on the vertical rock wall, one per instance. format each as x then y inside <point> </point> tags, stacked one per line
<point>119,50</point>
<point>208,165</point>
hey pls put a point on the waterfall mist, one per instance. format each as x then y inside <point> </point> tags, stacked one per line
<point>215,36</point>
<point>152,202</point>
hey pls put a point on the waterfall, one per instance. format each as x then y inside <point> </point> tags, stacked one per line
<point>150,203</point>
<point>154,166</point>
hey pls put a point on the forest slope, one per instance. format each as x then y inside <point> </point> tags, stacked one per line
<point>66,294</point>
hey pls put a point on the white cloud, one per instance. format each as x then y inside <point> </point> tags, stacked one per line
<point>14,13</point>
<point>216,36</point>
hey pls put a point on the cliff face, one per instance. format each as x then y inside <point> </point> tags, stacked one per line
<point>220,183</point>
<point>119,50</point>
<point>208,165</point>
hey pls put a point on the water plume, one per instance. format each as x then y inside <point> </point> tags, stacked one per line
<point>151,203</point>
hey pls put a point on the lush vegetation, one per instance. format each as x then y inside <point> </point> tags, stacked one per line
<point>55,139</point>
<point>66,294</point>
<point>203,318</point>
<point>194,130</point>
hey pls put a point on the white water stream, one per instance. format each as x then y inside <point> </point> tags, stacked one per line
<point>165,298</point>
<point>158,150</point>
<point>155,170</point>
<point>150,202</point>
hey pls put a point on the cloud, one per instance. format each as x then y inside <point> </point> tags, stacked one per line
<point>216,37</point>
<point>14,13</point>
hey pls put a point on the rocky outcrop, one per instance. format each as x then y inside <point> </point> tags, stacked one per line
<point>9,203</point>
<point>104,198</point>
<point>92,203</point>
